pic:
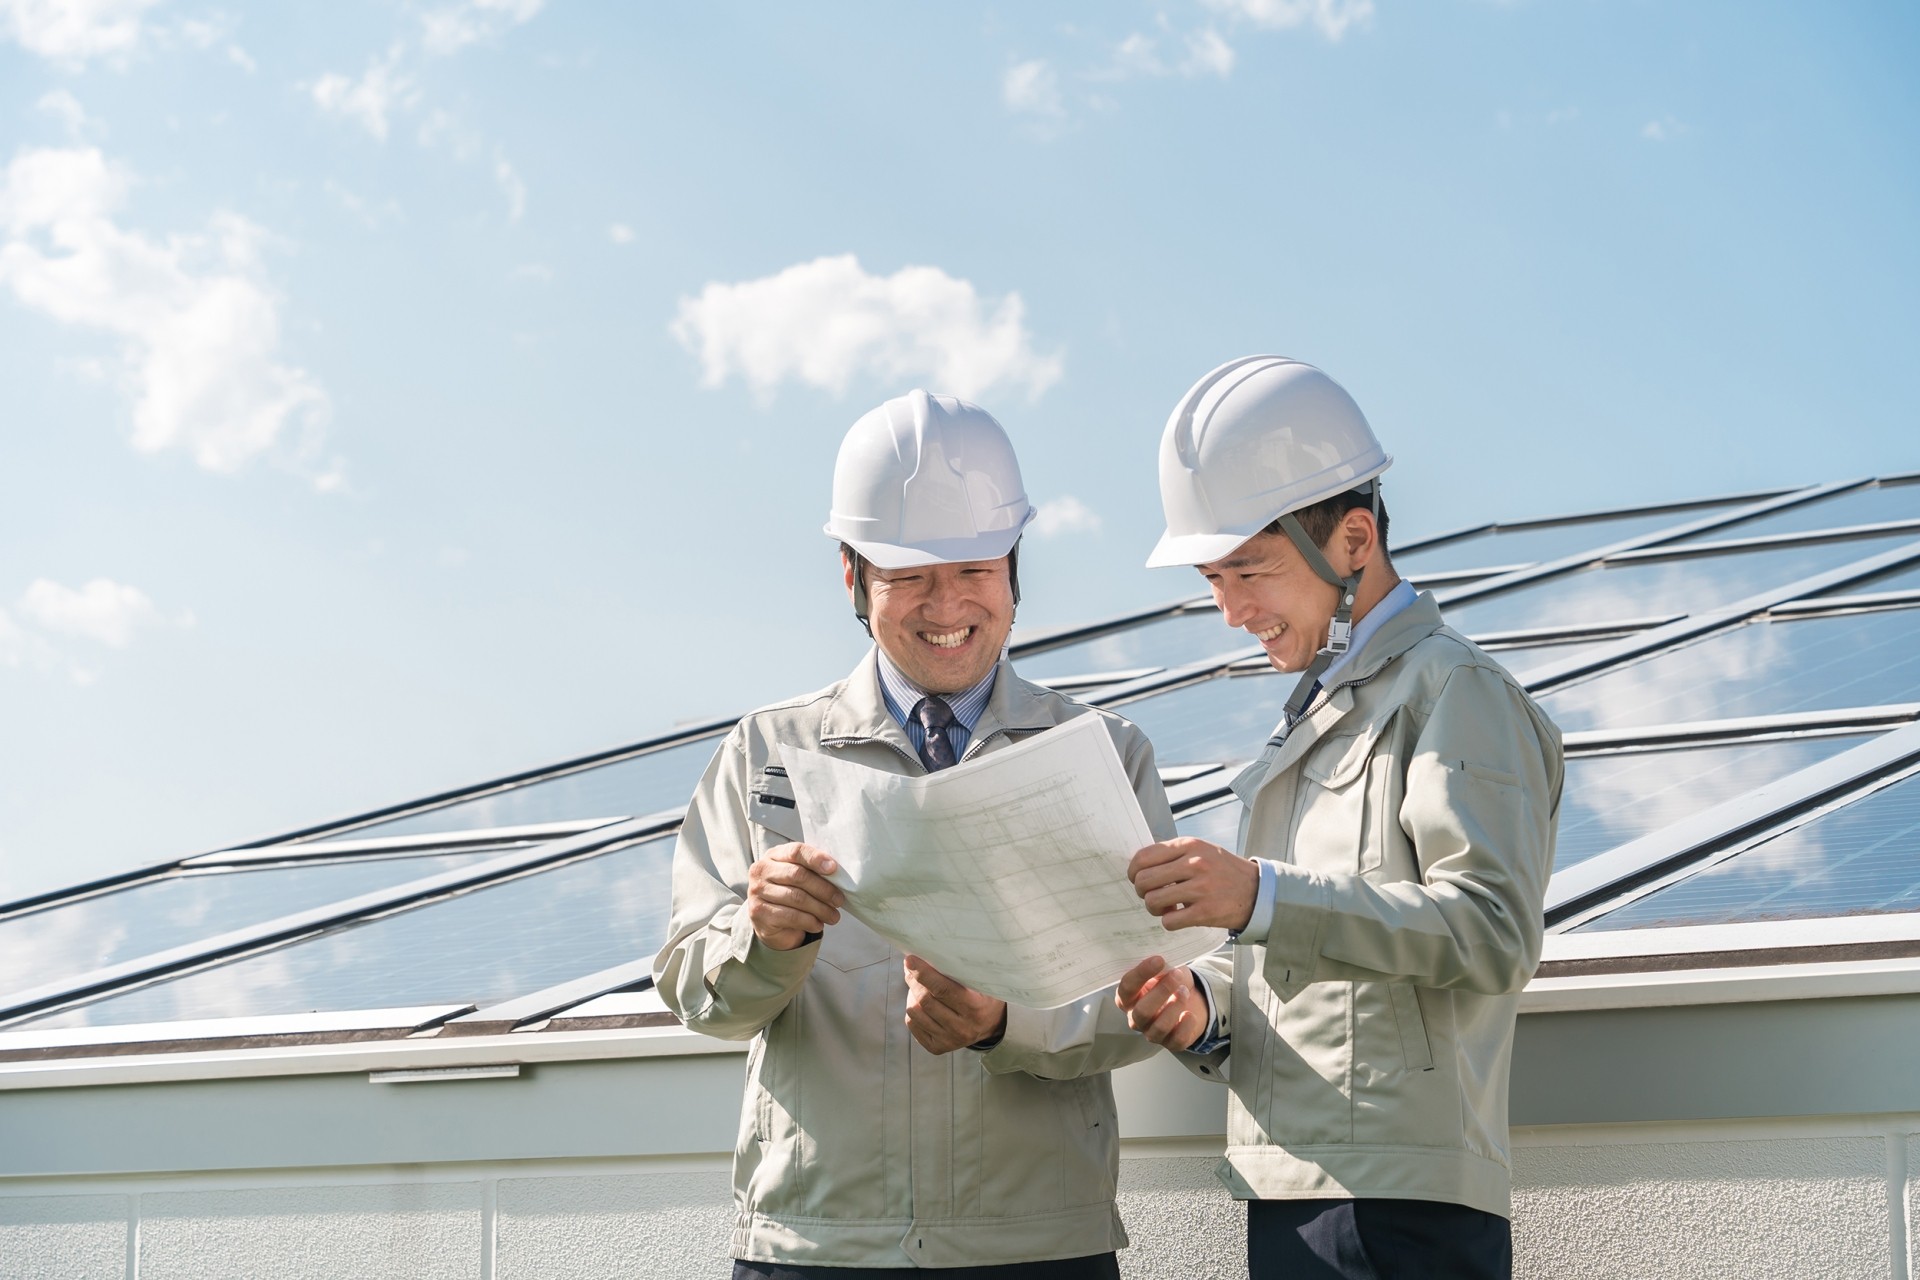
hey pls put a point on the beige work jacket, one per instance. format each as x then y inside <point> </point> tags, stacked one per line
<point>857,1147</point>
<point>1412,814</point>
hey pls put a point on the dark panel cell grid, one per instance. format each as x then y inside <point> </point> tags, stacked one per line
<point>638,785</point>
<point>479,947</point>
<point>1863,859</point>
<point>1763,668</point>
<point>1539,542</point>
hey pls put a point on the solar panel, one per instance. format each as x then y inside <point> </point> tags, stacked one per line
<point>1643,588</point>
<point>1906,578</point>
<point>1163,642</point>
<point>1767,667</point>
<point>479,947</point>
<point>1855,506</point>
<point>1611,799</point>
<point>1531,544</point>
<point>1863,859</point>
<point>71,938</point>
<point>649,783</point>
<point>1220,824</point>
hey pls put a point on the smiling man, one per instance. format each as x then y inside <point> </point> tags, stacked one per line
<point>1398,834</point>
<point>895,1120</point>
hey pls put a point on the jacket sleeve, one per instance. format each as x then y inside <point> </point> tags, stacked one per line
<point>1090,1035</point>
<point>713,973</point>
<point>1481,800</point>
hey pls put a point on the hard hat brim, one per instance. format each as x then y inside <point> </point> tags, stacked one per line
<point>1195,548</point>
<point>982,546</point>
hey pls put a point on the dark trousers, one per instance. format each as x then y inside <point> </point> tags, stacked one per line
<point>1375,1240</point>
<point>1100,1266</point>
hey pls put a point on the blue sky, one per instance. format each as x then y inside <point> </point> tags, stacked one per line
<point>396,394</point>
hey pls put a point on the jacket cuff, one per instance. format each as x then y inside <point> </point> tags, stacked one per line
<point>1024,1039</point>
<point>786,968</point>
<point>1261,921</point>
<point>1294,936</point>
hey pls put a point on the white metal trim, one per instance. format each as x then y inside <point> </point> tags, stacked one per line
<point>278,1024</point>
<point>1667,988</point>
<point>399,844</point>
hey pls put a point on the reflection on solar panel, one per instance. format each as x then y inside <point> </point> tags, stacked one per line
<point>650,783</point>
<point>1218,823</point>
<point>511,932</point>
<point>1763,668</point>
<point>75,937</point>
<point>1611,799</point>
<point>478,947</point>
<point>1904,579</point>
<point>1163,642</point>
<point>1869,505</point>
<point>1638,589</point>
<point>1530,544</point>
<point>1857,860</point>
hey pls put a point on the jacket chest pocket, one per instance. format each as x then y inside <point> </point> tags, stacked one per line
<point>1345,800</point>
<point>846,946</point>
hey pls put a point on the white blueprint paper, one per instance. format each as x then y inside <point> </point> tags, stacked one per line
<point>1007,873</point>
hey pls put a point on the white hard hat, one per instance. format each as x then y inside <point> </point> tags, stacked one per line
<point>1257,438</point>
<point>927,480</point>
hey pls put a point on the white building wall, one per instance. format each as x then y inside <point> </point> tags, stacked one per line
<point>1814,1200</point>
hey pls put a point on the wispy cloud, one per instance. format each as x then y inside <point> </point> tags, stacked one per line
<point>451,28</point>
<point>198,325</point>
<point>1032,88</point>
<point>508,179</point>
<point>74,32</point>
<point>1199,53</point>
<point>1331,18</point>
<point>100,613</point>
<point>826,322</point>
<point>620,233</point>
<point>1065,514</point>
<point>1662,130</point>
<point>370,99</point>
<point>65,108</point>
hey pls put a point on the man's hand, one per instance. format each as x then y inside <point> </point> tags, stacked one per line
<point>1189,882</point>
<point>1162,1004</point>
<point>943,1015</point>
<point>789,896</point>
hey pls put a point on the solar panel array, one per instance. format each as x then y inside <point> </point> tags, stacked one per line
<point>1739,679</point>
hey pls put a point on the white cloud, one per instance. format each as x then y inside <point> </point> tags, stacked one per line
<point>454,27</point>
<point>1331,18</point>
<point>1032,88</point>
<point>198,325</point>
<point>70,32</point>
<point>511,187</point>
<point>381,89</point>
<point>1662,130</point>
<point>620,233</point>
<point>65,108</point>
<point>103,611</point>
<point>534,273</point>
<point>826,322</point>
<point>1207,54</point>
<point>1065,514</point>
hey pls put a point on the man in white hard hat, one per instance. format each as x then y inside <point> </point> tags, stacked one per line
<point>1398,835</point>
<point>895,1120</point>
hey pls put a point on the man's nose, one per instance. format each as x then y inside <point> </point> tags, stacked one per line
<point>1232,604</point>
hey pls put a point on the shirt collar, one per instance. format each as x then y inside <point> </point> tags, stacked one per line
<point>1382,613</point>
<point>903,695</point>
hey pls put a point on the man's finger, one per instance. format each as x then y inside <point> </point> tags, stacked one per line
<point>1151,856</point>
<point>1134,981</point>
<point>816,859</point>
<point>785,871</point>
<point>1159,877</point>
<point>794,899</point>
<point>932,979</point>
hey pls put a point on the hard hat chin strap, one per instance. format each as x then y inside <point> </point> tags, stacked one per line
<point>1340,629</point>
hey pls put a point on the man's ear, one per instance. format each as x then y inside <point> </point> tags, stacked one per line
<point>846,573</point>
<point>1361,534</point>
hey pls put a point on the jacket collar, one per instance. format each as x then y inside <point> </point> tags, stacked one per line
<point>858,713</point>
<point>1400,633</point>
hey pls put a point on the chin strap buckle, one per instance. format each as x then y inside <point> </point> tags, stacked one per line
<point>1339,636</point>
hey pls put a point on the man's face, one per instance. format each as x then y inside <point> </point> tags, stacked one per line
<point>943,625</point>
<point>1267,589</point>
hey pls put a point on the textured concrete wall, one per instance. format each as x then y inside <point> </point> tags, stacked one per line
<point>64,1237</point>
<point>1810,1200</point>
<point>397,1231</point>
<point>673,1226</point>
<point>1814,1208</point>
<point>1181,1221</point>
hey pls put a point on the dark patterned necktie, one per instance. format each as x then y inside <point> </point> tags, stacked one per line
<point>936,717</point>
